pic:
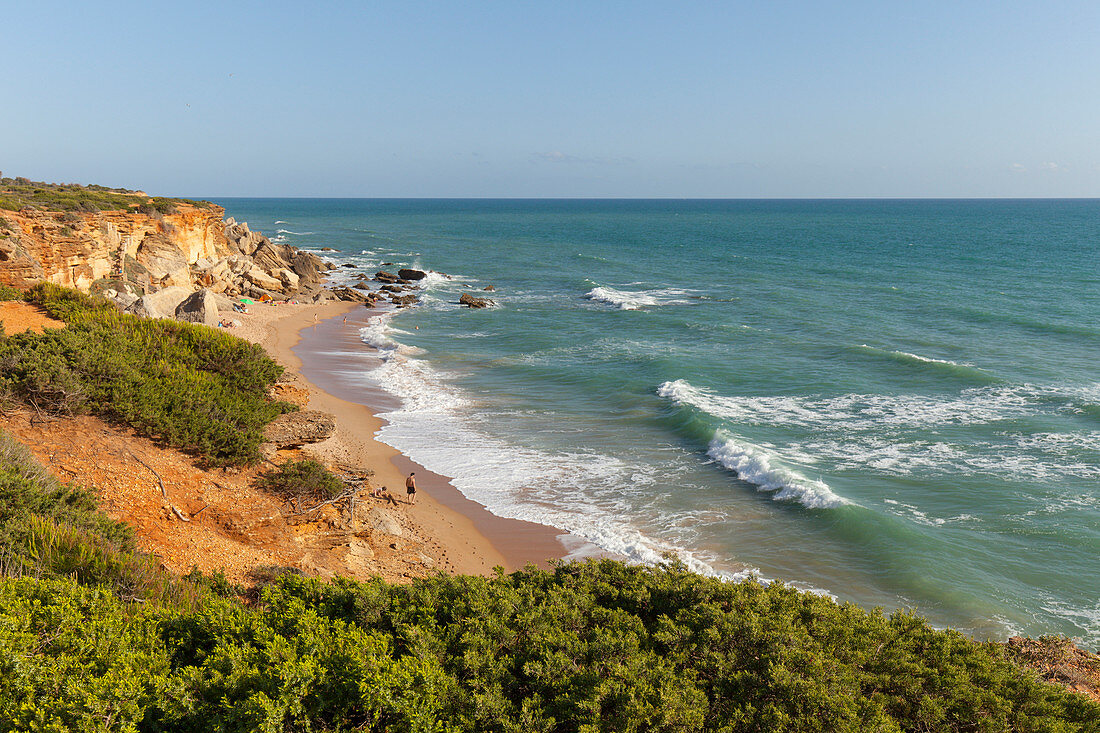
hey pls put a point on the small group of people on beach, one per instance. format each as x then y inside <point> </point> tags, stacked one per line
<point>410,491</point>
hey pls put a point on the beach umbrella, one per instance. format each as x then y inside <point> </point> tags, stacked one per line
<point>248,301</point>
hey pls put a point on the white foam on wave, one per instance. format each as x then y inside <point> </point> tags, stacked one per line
<point>629,300</point>
<point>579,492</point>
<point>756,466</point>
<point>911,512</point>
<point>379,333</point>
<point>914,357</point>
<point>850,412</point>
<point>287,231</point>
<point>280,221</point>
<point>860,431</point>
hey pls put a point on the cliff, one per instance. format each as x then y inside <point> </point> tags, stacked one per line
<point>76,248</point>
<point>128,245</point>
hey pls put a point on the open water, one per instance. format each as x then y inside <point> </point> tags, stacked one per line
<point>893,402</point>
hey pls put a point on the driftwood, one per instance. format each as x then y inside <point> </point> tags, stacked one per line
<point>349,494</point>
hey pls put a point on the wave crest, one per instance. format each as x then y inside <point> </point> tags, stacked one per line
<point>631,300</point>
<point>754,465</point>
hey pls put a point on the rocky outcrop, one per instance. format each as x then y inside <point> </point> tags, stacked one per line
<point>300,428</point>
<point>192,247</point>
<point>75,249</point>
<point>471,302</point>
<point>385,277</point>
<point>408,274</point>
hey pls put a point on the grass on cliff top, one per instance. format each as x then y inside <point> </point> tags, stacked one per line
<point>195,388</point>
<point>20,193</point>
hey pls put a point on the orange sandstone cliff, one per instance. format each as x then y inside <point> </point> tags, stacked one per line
<point>75,248</point>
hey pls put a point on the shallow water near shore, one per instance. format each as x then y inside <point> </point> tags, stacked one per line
<point>894,402</point>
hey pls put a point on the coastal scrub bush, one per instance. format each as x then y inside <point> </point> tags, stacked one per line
<point>7,292</point>
<point>19,193</point>
<point>192,387</point>
<point>607,646</point>
<point>301,478</point>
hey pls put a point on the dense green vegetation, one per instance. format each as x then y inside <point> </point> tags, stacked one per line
<point>194,387</point>
<point>585,647</point>
<point>94,637</point>
<point>301,478</point>
<point>19,193</point>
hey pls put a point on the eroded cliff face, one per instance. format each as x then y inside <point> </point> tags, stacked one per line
<point>75,249</point>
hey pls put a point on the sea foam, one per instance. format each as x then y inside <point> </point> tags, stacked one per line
<point>755,466</point>
<point>629,300</point>
<point>439,426</point>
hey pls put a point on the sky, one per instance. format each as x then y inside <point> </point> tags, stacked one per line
<point>555,99</point>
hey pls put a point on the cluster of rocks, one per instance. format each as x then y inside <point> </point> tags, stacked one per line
<point>257,268</point>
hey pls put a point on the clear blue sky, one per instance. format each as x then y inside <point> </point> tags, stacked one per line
<point>631,99</point>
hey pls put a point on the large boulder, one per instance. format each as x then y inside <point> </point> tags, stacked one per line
<point>271,257</point>
<point>383,521</point>
<point>161,304</point>
<point>261,279</point>
<point>289,278</point>
<point>403,301</point>
<point>300,428</point>
<point>199,307</point>
<point>309,268</point>
<point>471,302</point>
<point>385,277</point>
<point>408,274</point>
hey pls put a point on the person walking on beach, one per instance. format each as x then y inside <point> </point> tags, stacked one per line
<point>410,487</point>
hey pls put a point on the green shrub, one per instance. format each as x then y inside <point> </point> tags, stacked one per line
<point>7,292</point>
<point>17,193</point>
<point>301,478</point>
<point>193,387</point>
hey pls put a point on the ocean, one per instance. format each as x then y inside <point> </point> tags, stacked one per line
<point>895,403</point>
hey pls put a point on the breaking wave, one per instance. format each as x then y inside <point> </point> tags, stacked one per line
<point>755,466</point>
<point>629,300</point>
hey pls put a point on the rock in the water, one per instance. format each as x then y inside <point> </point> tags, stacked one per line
<point>199,307</point>
<point>391,288</point>
<point>385,277</point>
<point>490,288</point>
<point>299,428</point>
<point>472,302</point>
<point>349,294</point>
<point>327,249</point>
<point>402,301</point>
<point>408,274</point>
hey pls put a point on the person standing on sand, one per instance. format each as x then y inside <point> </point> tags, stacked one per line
<point>410,487</point>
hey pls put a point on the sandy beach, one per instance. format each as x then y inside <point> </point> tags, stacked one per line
<point>465,536</point>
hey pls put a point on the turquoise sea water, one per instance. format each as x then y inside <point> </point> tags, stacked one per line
<point>894,402</point>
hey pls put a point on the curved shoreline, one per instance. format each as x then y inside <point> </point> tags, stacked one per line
<point>474,540</point>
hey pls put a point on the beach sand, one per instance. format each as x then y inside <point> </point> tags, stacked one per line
<point>467,538</point>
